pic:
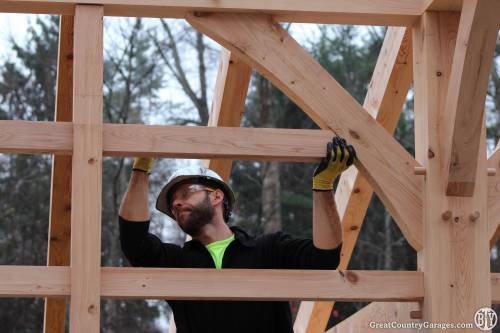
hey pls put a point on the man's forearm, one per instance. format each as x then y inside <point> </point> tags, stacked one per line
<point>327,229</point>
<point>135,205</point>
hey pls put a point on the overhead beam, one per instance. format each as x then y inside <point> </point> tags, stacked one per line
<point>227,284</point>
<point>472,59</point>
<point>374,12</point>
<point>268,48</point>
<point>378,312</point>
<point>442,5</point>
<point>228,104</point>
<point>384,100</point>
<point>170,141</point>
<point>58,252</point>
<point>87,170</point>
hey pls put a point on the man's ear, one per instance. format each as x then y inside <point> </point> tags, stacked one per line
<point>217,197</point>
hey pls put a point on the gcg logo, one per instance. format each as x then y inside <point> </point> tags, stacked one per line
<point>485,319</point>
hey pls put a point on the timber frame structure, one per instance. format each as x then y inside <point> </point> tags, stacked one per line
<point>445,200</point>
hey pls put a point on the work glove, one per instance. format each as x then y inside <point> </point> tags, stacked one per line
<point>339,157</point>
<point>143,164</point>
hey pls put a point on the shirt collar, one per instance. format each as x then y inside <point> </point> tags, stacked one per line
<point>239,235</point>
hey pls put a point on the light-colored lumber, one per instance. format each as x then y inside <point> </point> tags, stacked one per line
<point>372,12</point>
<point>58,252</point>
<point>215,142</point>
<point>442,5</point>
<point>494,197</point>
<point>227,284</point>
<point>87,170</point>
<point>228,103</point>
<point>36,137</point>
<point>118,282</point>
<point>364,320</point>
<point>294,145</point>
<point>268,48</point>
<point>455,258</point>
<point>384,100</point>
<point>476,41</point>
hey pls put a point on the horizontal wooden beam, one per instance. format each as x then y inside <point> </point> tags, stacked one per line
<point>170,141</point>
<point>373,12</point>
<point>227,284</point>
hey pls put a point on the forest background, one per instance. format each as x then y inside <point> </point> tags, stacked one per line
<point>163,72</point>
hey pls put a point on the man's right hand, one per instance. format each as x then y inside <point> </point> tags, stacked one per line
<point>143,164</point>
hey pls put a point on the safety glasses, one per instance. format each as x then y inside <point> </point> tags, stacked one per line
<point>185,191</point>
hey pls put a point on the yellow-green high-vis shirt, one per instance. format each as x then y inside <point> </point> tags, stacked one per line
<point>217,250</point>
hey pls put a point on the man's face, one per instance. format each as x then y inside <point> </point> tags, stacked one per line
<point>191,206</point>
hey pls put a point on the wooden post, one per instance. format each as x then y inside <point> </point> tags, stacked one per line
<point>384,100</point>
<point>455,255</point>
<point>60,195</point>
<point>228,103</point>
<point>87,170</point>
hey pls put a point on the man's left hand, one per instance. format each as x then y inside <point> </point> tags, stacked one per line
<point>339,157</point>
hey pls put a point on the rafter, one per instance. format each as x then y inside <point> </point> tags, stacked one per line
<point>228,105</point>
<point>372,12</point>
<point>261,42</point>
<point>384,100</point>
<point>476,41</point>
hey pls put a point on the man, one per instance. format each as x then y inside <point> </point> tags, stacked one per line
<point>201,203</point>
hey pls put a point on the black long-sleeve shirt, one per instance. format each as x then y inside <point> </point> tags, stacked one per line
<point>277,250</point>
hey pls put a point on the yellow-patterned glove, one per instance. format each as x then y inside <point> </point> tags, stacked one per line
<point>339,157</point>
<point>143,164</point>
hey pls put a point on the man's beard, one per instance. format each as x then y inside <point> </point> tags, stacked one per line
<point>199,216</point>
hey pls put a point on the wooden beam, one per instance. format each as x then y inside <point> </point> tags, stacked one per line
<point>268,48</point>
<point>494,197</point>
<point>87,170</point>
<point>228,102</point>
<point>36,137</point>
<point>58,252</point>
<point>378,312</point>
<point>374,12</point>
<point>170,141</point>
<point>46,281</point>
<point>442,5</point>
<point>455,258</point>
<point>227,284</point>
<point>384,100</point>
<point>476,41</point>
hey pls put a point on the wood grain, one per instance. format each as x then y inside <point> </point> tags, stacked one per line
<point>87,170</point>
<point>455,258</point>
<point>268,48</point>
<point>378,312</point>
<point>46,281</point>
<point>384,101</point>
<point>476,41</point>
<point>372,12</point>
<point>228,103</point>
<point>59,242</point>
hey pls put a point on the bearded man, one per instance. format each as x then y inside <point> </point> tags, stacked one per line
<point>201,203</point>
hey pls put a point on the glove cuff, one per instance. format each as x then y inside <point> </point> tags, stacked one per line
<point>322,184</point>
<point>144,164</point>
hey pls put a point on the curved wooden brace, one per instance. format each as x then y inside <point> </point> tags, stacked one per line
<point>264,45</point>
